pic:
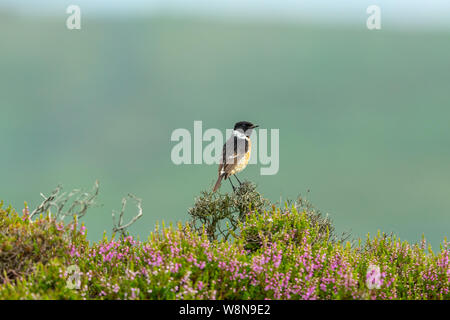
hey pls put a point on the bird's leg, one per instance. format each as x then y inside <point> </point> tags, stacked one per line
<point>238,179</point>
<point>234,189</point>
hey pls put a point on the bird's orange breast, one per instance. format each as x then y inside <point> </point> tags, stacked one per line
<point>243,161</point>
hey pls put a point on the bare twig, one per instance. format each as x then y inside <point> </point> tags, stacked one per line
<point>58,201</point>
<point>47,203</point>
<point>120,227</point>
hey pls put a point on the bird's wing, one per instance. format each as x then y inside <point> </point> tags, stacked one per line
<point>233,151</point>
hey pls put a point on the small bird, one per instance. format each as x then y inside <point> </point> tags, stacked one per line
<point>235,153</point>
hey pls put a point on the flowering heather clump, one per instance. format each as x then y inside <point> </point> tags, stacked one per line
<point>279,254</point>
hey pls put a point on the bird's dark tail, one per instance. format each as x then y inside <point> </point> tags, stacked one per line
<point>219,180</point>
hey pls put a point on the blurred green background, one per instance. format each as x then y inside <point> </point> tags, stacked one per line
<point>363,115</point>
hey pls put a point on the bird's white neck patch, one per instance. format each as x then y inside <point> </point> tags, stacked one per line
<point>239,134</point>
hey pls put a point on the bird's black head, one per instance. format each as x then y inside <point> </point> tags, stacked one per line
<point>245,126</point>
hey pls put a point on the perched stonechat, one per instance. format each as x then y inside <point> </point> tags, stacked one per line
<point>235,153</point>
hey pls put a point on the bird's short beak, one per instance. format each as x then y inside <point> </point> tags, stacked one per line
<point>255,126</point>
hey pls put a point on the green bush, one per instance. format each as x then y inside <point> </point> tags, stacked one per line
<point>220,214</point>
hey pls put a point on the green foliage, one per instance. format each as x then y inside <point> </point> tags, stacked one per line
<point>277,226</point>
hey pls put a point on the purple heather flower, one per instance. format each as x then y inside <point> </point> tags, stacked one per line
<point>26,213</point>
<point>373,277</point>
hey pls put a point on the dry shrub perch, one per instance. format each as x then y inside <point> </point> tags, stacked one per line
<point>219,214</point>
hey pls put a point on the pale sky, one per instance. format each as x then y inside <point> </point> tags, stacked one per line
<point>402,13</point>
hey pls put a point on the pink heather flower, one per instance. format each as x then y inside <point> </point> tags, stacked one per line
<point>256,266</point>
<point>373,277</point>
<point>134,293</point>
<point>25,212</point>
